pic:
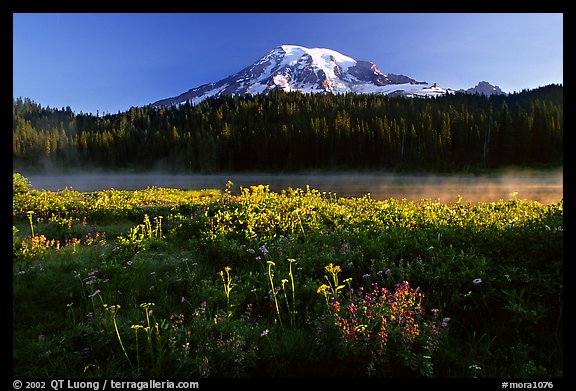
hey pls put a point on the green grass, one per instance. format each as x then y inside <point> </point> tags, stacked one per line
<point>206,269</point>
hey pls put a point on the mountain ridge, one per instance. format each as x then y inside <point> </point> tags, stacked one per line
<point>315,70</point>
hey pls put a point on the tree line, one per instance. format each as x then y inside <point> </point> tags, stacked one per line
<point>295,131</point>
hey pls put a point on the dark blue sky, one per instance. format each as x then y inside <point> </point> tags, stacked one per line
<point>110,62</point>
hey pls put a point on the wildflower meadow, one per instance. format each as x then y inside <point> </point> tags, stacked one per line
<point>300,283</point>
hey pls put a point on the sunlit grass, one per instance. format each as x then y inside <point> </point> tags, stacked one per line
<point>239,285</point>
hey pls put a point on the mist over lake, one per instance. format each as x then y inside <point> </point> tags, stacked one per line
<point>543,186</point>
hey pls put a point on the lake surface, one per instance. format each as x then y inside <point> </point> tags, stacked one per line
<point>545,186</point>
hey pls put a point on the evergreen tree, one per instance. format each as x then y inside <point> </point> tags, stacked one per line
<point>292,131</point>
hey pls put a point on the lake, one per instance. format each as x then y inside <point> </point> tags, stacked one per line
<point>543,186</point>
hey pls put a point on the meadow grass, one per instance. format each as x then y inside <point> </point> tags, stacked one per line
<point>168,283</point>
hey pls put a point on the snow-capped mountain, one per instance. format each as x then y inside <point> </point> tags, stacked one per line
<point>485,88</point>
<point>317,70</point>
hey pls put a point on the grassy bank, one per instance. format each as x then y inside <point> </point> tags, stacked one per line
<point>170,283</point>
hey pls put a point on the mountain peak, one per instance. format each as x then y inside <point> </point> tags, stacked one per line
<point>308,70</point>
<point>485,88</point>
<point>318,54</point>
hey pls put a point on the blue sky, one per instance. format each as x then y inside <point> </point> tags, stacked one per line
<point>110,62</point>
